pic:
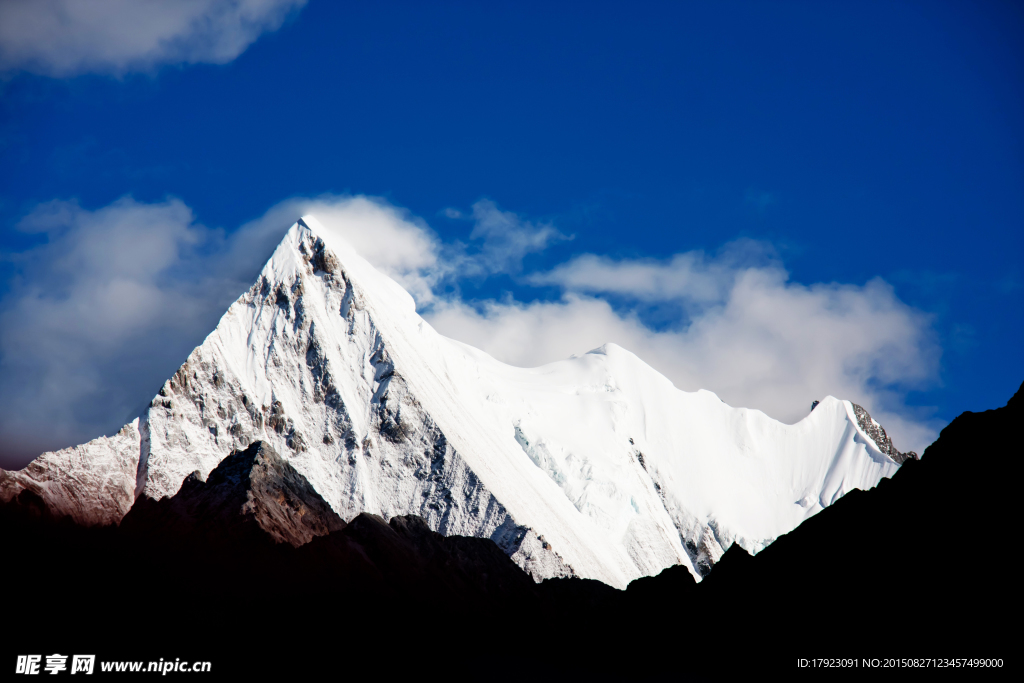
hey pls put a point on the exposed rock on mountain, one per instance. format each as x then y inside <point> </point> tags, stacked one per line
<point>877,434</point>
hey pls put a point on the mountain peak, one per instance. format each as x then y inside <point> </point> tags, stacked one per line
<point>594,466</point>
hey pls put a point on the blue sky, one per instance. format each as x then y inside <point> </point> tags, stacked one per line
<point>871,155</point>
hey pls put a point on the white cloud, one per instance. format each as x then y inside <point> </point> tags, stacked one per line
<point>691,278</point>
<point>505,240</point>
<point>68,37</point>
<point>115,299</point>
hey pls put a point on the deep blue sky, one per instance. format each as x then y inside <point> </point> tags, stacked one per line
<point>862,139</point>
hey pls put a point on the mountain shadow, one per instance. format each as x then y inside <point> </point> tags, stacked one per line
<point>252,570</point>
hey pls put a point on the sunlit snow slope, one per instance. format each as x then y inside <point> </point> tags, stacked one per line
<point>593,466</point>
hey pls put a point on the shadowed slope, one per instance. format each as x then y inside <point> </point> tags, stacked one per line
<point>916,567</point>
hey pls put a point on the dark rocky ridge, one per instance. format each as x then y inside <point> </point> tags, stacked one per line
<point>250,492</point>
<point>916,567</point>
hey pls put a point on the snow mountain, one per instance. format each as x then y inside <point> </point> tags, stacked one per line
<point>594,466</point>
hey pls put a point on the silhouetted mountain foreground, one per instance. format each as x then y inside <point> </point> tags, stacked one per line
<point>253,571</point>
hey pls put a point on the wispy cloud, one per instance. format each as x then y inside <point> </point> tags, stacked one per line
<point>68,37</point>
<point>504,239</point>
<point>114,299</point>
<point>692,278</point>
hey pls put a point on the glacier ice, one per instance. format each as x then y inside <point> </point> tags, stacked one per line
<point>595,466</point>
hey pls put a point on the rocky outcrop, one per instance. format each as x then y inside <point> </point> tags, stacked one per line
<point>878,435</point>
<point>250,491</point>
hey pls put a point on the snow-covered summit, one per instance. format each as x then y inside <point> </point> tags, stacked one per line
<point>595,466</point>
